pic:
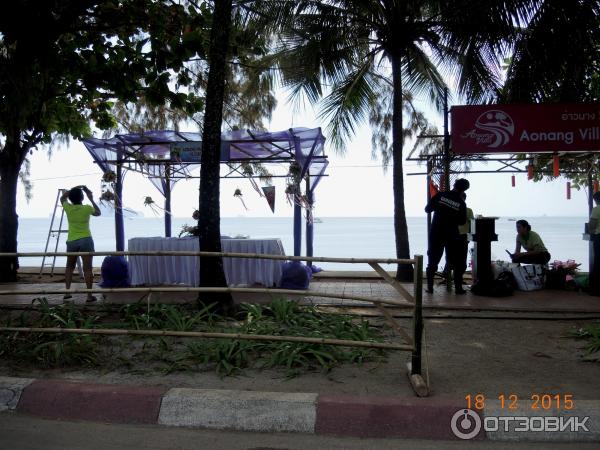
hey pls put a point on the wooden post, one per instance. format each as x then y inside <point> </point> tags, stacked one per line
<point>416,379</point>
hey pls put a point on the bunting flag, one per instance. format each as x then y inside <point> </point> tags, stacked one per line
<point>530,172</point>
<point>269,192</point>
<point>556,165</point>
<point>568,190</point>
<point>433,189</point>
<point>513,181</point>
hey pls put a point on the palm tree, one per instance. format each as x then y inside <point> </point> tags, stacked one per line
<point>568,73</point>
<point>347,51</point>
<point>211,270</point>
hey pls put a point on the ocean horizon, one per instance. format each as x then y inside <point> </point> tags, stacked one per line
<point>363,237</point>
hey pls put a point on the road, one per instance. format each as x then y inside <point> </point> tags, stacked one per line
<point>18,432</point>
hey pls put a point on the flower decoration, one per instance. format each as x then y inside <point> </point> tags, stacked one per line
<point>109,177</point>
<point>188,230</point>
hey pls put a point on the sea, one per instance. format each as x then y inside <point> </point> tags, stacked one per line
<point>368,237</point>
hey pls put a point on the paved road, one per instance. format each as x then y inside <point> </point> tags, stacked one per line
<point>19,432</point>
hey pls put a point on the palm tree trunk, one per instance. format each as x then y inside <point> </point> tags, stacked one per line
<point>211,269</point>
<point>405,271</point>
<point>10,165</point>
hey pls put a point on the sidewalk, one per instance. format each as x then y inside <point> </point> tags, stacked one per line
<point>338,415</point>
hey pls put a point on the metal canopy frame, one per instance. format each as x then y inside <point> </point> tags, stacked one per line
<point>150,154</point>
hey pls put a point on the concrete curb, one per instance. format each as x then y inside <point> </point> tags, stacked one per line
<point>242,410</point>
<point>339,415</point>
<point>10,391</point>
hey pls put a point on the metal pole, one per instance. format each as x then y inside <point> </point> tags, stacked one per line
<point>309,222</point>
<point>119,224</point>
<point>446,143</point>
<point>429,179</point>
<point>590,207</point>
<point>297,229</point>
<point>167,203</point>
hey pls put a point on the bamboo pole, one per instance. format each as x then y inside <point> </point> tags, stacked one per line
<point>393,282</point>
<point>230,290</point>
<point>209,335</point>
<point>417,382</point>
<point>216,254</point>
<point>395,325</point>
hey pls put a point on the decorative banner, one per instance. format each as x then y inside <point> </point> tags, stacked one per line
<point>433,189</point>
<point>555,166</point>
<point>269,192</point>
<point>568,190</point>
<point>513,181</point>
<point>530,172</point>
<point>532,128</point>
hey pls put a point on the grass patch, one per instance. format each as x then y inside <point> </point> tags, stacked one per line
<point>591,335</point>
<point>165,354</point>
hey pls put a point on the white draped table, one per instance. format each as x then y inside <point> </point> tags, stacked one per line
<point>157,270</point>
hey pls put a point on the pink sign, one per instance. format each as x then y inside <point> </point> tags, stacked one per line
<point>531,128</point>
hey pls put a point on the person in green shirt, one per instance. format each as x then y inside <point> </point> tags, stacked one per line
<point>79,238</point>
<point>535,250</point>
<point>594,231</point>
<point>463,243</point>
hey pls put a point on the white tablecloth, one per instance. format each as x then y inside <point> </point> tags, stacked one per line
<point>155,270</point>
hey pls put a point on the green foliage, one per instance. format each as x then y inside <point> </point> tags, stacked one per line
<point>591,334</point>
<point>52,350</point>
<point>338,53</point>
<point>164,317</point>
<point>226,356</point>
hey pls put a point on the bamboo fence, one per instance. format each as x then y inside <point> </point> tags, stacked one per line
<point>409,301</point>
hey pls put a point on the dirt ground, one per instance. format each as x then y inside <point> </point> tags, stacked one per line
<point>464,356</point>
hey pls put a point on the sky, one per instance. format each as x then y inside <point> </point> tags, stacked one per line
<point>357,185</point>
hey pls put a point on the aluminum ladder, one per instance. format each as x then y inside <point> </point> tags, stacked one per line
<point>56,233</point>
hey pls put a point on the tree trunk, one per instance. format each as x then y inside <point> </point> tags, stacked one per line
<point>211,269</point>
<point>405,271</point>
<point>10,165</point>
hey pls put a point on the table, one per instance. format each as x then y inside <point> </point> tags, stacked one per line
<point>156,270</point>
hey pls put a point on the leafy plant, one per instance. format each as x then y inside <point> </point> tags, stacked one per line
<point>591,333</point>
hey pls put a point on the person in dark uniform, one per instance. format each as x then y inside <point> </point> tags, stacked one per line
<point>594,231</point>
<point>449,212</point>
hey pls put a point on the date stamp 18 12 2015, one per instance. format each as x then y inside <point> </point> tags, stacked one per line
<point>532,402</point>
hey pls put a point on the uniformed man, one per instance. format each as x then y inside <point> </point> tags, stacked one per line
<point>594,231</point>
<point>449,212</point>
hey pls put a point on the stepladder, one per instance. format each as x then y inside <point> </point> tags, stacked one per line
<point>56,230</point>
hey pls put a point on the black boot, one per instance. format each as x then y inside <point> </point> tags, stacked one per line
<point>430,276</point>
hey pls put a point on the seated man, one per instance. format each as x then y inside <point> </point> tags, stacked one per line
<point>535,251</point>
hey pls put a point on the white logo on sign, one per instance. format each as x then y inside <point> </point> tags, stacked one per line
<point>465,424</point>
<point>493,128</point>
<point>499,124</point>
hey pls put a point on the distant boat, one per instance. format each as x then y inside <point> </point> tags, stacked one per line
<point>512,220</point>
<point>317,220</point>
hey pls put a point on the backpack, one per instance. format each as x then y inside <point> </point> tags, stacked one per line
<point>502,286</point>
